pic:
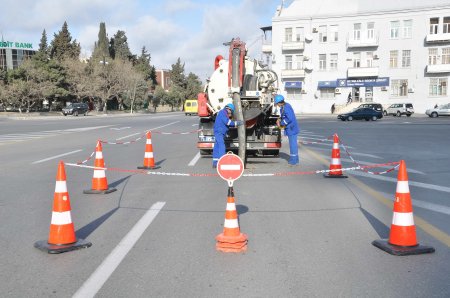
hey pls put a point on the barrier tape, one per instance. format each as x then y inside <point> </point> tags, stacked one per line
<point>144,136</point>
<point>215,174</point>
<point>86,160</point>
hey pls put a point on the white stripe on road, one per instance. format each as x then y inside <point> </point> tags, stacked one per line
<point>424,205</point>
<point>194,160</point>
<point>387,167</point>
<point>138,133</point>
<point>352,153</point>
<point>95,282</point>
<point>56,156</point>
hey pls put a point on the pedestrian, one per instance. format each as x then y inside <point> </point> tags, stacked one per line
<point>436,106</point>
<point>332,108</point>
<point>349,98</point>
<point>287,119</point>
<point>221,126</point>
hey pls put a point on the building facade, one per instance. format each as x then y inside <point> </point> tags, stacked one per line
<point>334,52</point>
<point>163,78</point>
<point>13,53</point>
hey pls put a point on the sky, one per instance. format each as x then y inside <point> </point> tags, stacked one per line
<point>193,30</point>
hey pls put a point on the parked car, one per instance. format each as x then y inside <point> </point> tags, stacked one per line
<point>443,110</point>
<point>362,113</point>
<point>76,109</point>
<point>398,109</point>
<point>375,106</point>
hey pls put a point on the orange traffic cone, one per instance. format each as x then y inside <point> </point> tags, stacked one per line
<point>402,238</point>
<point>99,181</point>
<point>62,233</point>
<point>231,240</point>
<point>149,160</point>
<point>335,165</point>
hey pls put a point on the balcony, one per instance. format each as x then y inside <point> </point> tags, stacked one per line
<point>437,38</point>
<point>267,47</point>
<point>438,68</point>
<point>362,72</point>
<point>292,73</point>
<point>293,46</point>
<point>363,42</point>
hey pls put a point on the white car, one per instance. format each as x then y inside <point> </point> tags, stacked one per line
<point>398,109</point>
<point>443,110</point>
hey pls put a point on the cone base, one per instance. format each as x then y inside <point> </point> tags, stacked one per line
<point>225,247</point>
<point>334,176</point>
<point>95,191</point>
<point>231,239</point>
<point>148,168</point>
<point>396,250</point>
<point>57,249</point>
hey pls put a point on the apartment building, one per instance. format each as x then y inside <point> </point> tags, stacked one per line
<point>327,51</point>
<point>12,53</point>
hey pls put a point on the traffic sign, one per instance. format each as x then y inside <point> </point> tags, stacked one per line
<point>230,167</point>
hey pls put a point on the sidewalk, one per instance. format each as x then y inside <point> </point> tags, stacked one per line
<point>59,115</point>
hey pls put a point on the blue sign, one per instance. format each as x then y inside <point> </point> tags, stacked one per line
<point>378,82</point>
<point>293,85</point>
<point>327,84</point>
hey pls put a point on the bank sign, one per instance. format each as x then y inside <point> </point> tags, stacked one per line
<point>378,82</point>
<point>17,45</point>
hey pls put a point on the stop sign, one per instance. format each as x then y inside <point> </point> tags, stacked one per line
<point>230,167</point>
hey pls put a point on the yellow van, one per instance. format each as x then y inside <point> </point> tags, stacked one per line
<point>190,107</point>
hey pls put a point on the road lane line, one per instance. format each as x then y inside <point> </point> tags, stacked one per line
<point>425,205</point>
<point>56,156</point>
<point>387,167</point>
<point>138,133</point>
<point>420,222</point>
<point>351,153</point>
<point>95,282</point>
<point>194,160</point>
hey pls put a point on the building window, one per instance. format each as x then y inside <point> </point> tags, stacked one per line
<point>322,61</point>
<point>399,87</point>
<point>3,59</point>
<point>322,33</point>
<point>370,31</point>
<point>333,61</point>
<point>327,93</point>
<point>434,22</point>
<point>357,31</point>
<point>288,62</point>
<point>299,34</point>
<point>407,28</point>
<point>432,56</point>
<point>445,55</point>
<point>446,25</point>
<point>293,93</point>
<point>369,59</point>
<point>406,58</point>
<point>288,34</point>
<point>299,61</point>
<point>438,87</point>
<point>395,26</point>
<point>393,59</point>
<point>357,59</point>
<point>334,36</point>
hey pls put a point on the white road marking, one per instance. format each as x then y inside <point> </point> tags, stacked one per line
<point>56,156</point>
<point>351,153</point>
<point>424,205</point>
<point>194,160</point>
<point>119,128</point>
<point>195,124</point>
<point>411,183</point>
<point>95,282</point>
<point>138,133</point>
<point>387,167</point>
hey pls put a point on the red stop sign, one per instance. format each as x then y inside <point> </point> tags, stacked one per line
<point>230,167</point>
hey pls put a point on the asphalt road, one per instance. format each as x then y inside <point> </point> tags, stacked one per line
<point>155,236</point>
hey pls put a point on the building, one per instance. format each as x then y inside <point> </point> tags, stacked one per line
<point>163,78</point>
<point>327,51</point>
<point>12,53</point>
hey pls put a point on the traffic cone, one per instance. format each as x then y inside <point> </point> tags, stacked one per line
<point>335,165</point>
<point>231,240</point>
<point>149,160</point>
<point>402,238</point>
<point>99,181</point>
<point>62,232</point>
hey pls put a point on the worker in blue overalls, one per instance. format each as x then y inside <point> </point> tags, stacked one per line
<point>221,126</point>
<point>288,120</point>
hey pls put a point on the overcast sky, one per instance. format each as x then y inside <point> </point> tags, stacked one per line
<point>193,30</point>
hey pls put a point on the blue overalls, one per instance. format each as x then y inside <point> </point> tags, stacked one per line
<point>288,119</point>
<point>221,126</point>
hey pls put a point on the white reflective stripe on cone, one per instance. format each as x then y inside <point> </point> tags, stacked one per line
<point>149,141</point>
<point>61,218</point>
<point>335,161</point>
<point>60,186</point>
<point>99,174</point>
<point>335,145</point>
<point>231,223</point>
<point>148,154</point>
<point>403,219</point>
<point>98,154</point>
<point>231,206</point>
<point>402,187</point>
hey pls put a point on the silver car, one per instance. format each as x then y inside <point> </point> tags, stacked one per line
<point>443,110</point>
